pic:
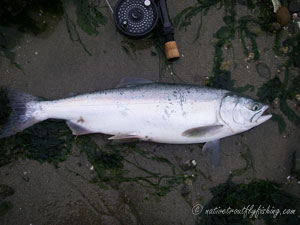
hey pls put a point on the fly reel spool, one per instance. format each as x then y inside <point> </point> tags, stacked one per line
<point>135,18</point>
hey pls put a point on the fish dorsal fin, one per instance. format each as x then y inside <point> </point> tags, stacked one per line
<point>202,131</point>
<point>133,81</point>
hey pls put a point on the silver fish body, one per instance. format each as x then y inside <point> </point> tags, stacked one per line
<point>165,113</point>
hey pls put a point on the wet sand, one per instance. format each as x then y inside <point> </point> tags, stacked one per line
<point>56,67</point>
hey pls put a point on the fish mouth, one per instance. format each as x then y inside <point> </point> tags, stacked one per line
<point>259,117</point>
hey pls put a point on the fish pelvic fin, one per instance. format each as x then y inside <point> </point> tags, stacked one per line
<point>212,152</point>
<point>78,129</point>
<point>21,112</point>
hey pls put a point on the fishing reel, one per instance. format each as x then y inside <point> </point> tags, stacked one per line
<point>136,19</point>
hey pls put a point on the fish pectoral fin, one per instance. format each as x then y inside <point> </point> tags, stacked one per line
<point>122,139</point>
<point>77,129</point>
<point>133,81</point>
<point>202,131</point>
<point>211,150</point>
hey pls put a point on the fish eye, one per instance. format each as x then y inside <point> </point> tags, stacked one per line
<point>256,107</point>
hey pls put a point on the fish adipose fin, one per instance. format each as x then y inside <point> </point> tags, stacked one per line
<point>133,81</point>
<point>212,151</point>
<point>21,115</point>
<point>202,131</point>
<point>77,129</point>
<point>122,139</point>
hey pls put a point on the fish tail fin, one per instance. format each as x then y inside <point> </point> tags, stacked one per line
<point>21,113</point>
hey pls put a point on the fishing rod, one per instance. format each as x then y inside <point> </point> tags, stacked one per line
<point>136,19</point>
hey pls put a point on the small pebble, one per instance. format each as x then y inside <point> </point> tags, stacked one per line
<point>25,178</point>
<point>284,49</point>
<point>263,70</point>
<point>283,16</point>
<point>275,103</point>
<point>188,182</point>
<point>190,164</point>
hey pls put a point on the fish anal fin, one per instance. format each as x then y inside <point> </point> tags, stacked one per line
<point>122,139</point>
<point>123,136</point>
<point>133,81</point>
<point>212,151</point>
<point>78,129</point>
<point>202,131</point>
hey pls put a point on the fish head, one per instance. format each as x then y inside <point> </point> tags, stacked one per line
<point>241,113</point>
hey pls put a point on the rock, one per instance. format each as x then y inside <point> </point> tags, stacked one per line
<point>294,6</point>
<point>296,164</point>
<point>190,164</point>
<point>263,70</point>
<point>5,191</point>
<point>283,16</point>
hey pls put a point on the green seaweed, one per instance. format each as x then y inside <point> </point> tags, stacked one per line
<point>73,33</point>
<point>280,122</point>
<point>184,18</point>
<point>248,157</point>
<point>270,90</point>
<point>5,191</point>
<point>258,194</point>
<point>108,163</point>
<point>48,141</point>
<point>89,17</point>
<point>5,206</point>
<point>130,49</point>
<point>245,32</point>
